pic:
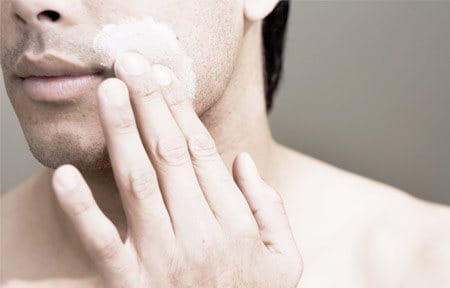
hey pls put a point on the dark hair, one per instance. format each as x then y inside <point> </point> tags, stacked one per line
<point>274,31</point>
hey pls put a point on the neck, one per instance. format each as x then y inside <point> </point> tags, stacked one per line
<point>237,122</point>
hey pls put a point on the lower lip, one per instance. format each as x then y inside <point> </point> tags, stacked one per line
<point>60,88</point>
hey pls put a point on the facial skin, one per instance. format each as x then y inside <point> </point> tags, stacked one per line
<point>71,133</point>
<point>343,221</point>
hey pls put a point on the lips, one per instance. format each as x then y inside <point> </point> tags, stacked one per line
<point>52,78</point>
<point>61,89</point>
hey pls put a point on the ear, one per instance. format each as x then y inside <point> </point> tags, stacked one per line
<point>258,9</point>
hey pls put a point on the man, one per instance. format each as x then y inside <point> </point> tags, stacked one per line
<point>146,200</point>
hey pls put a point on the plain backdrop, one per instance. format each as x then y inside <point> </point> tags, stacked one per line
<point>366,88</point>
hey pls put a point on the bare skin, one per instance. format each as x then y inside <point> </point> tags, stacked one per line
<point>351,232</point>
<point>354,239</point>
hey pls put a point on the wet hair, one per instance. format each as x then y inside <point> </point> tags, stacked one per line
<point>274,32</point>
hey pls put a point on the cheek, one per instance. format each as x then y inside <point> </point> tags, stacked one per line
<point>212,39</point>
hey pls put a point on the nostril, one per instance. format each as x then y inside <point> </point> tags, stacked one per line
<point>49,15</point>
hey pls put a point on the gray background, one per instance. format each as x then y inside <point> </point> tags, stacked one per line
<point>367,88</point>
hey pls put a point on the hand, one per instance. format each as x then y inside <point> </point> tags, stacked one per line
<point>190,222</point>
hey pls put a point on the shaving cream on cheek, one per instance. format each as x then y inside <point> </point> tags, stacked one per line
<point>156,41</point>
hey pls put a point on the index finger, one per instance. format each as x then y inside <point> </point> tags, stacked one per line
<point>166,147</point>
<point>144,206</point>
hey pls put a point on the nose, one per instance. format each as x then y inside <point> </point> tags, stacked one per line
<point>40,14</point>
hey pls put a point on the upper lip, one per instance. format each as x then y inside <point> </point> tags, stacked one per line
<point>51,65</point>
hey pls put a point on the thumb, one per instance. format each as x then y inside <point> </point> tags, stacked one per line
<point>266,205</point>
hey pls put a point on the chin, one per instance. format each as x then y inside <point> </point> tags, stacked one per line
<point>58,149</point>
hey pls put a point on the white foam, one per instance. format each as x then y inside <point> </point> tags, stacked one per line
<point>156,41</point>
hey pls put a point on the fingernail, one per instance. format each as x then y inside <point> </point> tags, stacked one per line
<point>66,179</point>
<point>163,74</point>
<point>132,63</point>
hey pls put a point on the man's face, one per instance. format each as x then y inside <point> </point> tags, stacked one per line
<point>208,31</point>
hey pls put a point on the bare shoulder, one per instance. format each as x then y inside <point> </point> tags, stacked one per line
<point>34,252</point>
<point>16,202</point>
<point>400,240</point>
<point>411,244</point>
<point>17,225</point>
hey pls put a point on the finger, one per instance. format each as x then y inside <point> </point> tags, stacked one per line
<point>165,145</point>
<point>136,179</point>
<point>223,195</point>
<point>266,205</point>
<point>115,261</point>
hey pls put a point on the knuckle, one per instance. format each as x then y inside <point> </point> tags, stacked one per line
<point>124,122</point>
<point>77,203</point>
<point>106,246</point>
<point>172,151</point>
<point>79,207</point>
<point>148,94</point>
<point>202,146</point>
<point>177,100</point>
<point>142,183</point>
